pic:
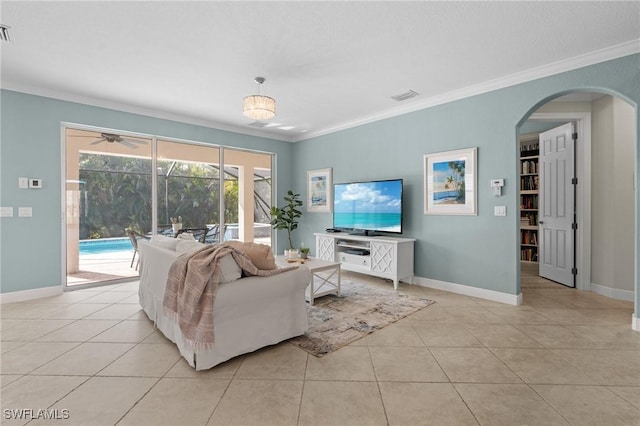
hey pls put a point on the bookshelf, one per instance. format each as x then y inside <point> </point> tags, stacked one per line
<point>529,193</point>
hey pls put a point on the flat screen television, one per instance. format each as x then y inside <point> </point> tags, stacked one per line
<point>368,207</point>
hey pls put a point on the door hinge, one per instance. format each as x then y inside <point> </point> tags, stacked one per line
<point>574,181</point>
<point>574,136</point>
<point>574,226</point>
<point>574,271</point>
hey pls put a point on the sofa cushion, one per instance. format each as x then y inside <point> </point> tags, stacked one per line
<point>260,254</point>
<point>166,242</point>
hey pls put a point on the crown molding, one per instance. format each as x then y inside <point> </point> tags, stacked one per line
<point>133,109</point>
<point>591,58</point>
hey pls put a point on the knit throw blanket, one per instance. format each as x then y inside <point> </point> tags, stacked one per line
<point>191,290</point>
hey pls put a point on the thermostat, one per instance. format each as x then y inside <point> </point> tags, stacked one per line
<point>35,183</point>
<point>497,185</point>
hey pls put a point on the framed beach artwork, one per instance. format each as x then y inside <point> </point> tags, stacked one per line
<point>450,182</point>
<point>319,187</point>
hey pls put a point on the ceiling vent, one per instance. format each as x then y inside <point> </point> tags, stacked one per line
<point>404,96</point>
<point>4,33</point>
<point>259,124</point>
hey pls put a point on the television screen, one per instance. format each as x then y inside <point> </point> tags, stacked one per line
<point>368,206</point>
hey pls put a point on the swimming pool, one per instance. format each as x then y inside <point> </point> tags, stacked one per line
<point>105,245</point>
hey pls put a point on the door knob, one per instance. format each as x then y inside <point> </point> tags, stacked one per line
<point>541,222</point>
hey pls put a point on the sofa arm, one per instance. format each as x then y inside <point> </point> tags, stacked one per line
<point>155,262</point>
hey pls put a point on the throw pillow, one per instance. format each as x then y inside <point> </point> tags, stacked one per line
<point>229,269</point>
<point>260,254</point>
<point>186,236</point>
<point>186,246</point>
<point>165,242</point>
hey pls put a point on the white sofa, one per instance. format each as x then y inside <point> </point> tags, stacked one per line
<point>249,313</point>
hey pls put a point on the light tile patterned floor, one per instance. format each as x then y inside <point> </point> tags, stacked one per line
<point>563,357</point>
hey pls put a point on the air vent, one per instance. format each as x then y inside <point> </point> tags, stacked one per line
<point>4,33</point>
<point>404,96</point>
<point>259,124</point>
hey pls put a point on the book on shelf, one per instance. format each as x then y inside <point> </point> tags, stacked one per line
<point>530,237</point>
<point>530,150</point>
<point>529,201</point>
<point>529,167</point>
<point>529,254</point>
<point>528,183</point>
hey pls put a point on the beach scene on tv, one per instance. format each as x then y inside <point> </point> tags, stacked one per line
<point>448,182</point>
<point>369,206</point>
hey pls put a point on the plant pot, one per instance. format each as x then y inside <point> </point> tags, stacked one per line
<point>176,227</point>
<point>293,254</point>
<point>304,255</point>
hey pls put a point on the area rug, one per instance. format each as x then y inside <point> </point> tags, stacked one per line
<point>335,321</point>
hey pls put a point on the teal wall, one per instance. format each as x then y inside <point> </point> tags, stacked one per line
<point>30,146</point>
<point>480,251</point>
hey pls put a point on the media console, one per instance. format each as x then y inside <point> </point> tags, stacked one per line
<point>382,256</point>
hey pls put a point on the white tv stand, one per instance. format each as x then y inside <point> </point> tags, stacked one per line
<point>384,257</point>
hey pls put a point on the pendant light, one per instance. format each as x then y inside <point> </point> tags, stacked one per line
<point>259,107</point>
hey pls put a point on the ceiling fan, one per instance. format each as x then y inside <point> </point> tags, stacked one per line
<point>113,138</point>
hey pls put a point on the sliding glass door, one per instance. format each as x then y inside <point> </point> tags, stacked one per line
<point>110,186</point>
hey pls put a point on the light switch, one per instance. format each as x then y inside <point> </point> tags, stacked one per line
<point>500,211</point>
<point>6,211</point>
<point>25,212</point>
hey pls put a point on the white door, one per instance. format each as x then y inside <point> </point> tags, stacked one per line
<point>556,205</point>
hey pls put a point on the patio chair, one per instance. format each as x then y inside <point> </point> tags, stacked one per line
<point>133,237</point>
<point>213,235</point>
<point>166,230</point>
<point>199,234</point>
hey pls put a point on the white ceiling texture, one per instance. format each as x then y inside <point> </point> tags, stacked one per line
<point>329,65</point>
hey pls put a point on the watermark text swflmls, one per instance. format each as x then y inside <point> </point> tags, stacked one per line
<point>35,413</point>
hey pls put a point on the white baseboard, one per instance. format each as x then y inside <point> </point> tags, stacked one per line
<point>36,293</point>
<point>635,323</point>
<point>613,293</point>
<point>496,296</point>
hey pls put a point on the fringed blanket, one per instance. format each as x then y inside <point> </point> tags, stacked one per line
<point>191,290</point>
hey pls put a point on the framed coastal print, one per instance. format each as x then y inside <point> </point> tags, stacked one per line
<point>319,187</point>
<point>450,182</point>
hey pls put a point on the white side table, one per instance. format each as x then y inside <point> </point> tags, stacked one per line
<point>322,272</point>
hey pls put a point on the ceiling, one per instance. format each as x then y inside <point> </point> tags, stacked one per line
<point>329,65</point>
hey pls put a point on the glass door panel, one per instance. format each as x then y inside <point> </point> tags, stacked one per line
<point>248,196</point>
<point>188,188</point>
<point>108,190</point>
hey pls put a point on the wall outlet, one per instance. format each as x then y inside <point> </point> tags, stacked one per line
<point>25,212</point>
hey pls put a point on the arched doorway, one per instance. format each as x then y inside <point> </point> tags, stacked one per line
<point>606,123</point>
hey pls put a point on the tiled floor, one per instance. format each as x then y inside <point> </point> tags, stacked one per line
<point>563,357</point>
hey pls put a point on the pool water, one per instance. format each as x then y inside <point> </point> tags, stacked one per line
<point>105,245</point>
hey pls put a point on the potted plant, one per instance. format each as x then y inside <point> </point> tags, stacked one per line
<point>304,252</point>
<point>176,224</point>
<point>287,217</point>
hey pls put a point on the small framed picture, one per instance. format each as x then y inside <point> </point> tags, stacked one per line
<point>319,189</point>
<point>450,182</point>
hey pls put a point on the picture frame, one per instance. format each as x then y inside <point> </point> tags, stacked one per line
<point>450,182</point>
<point>319,191</point>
